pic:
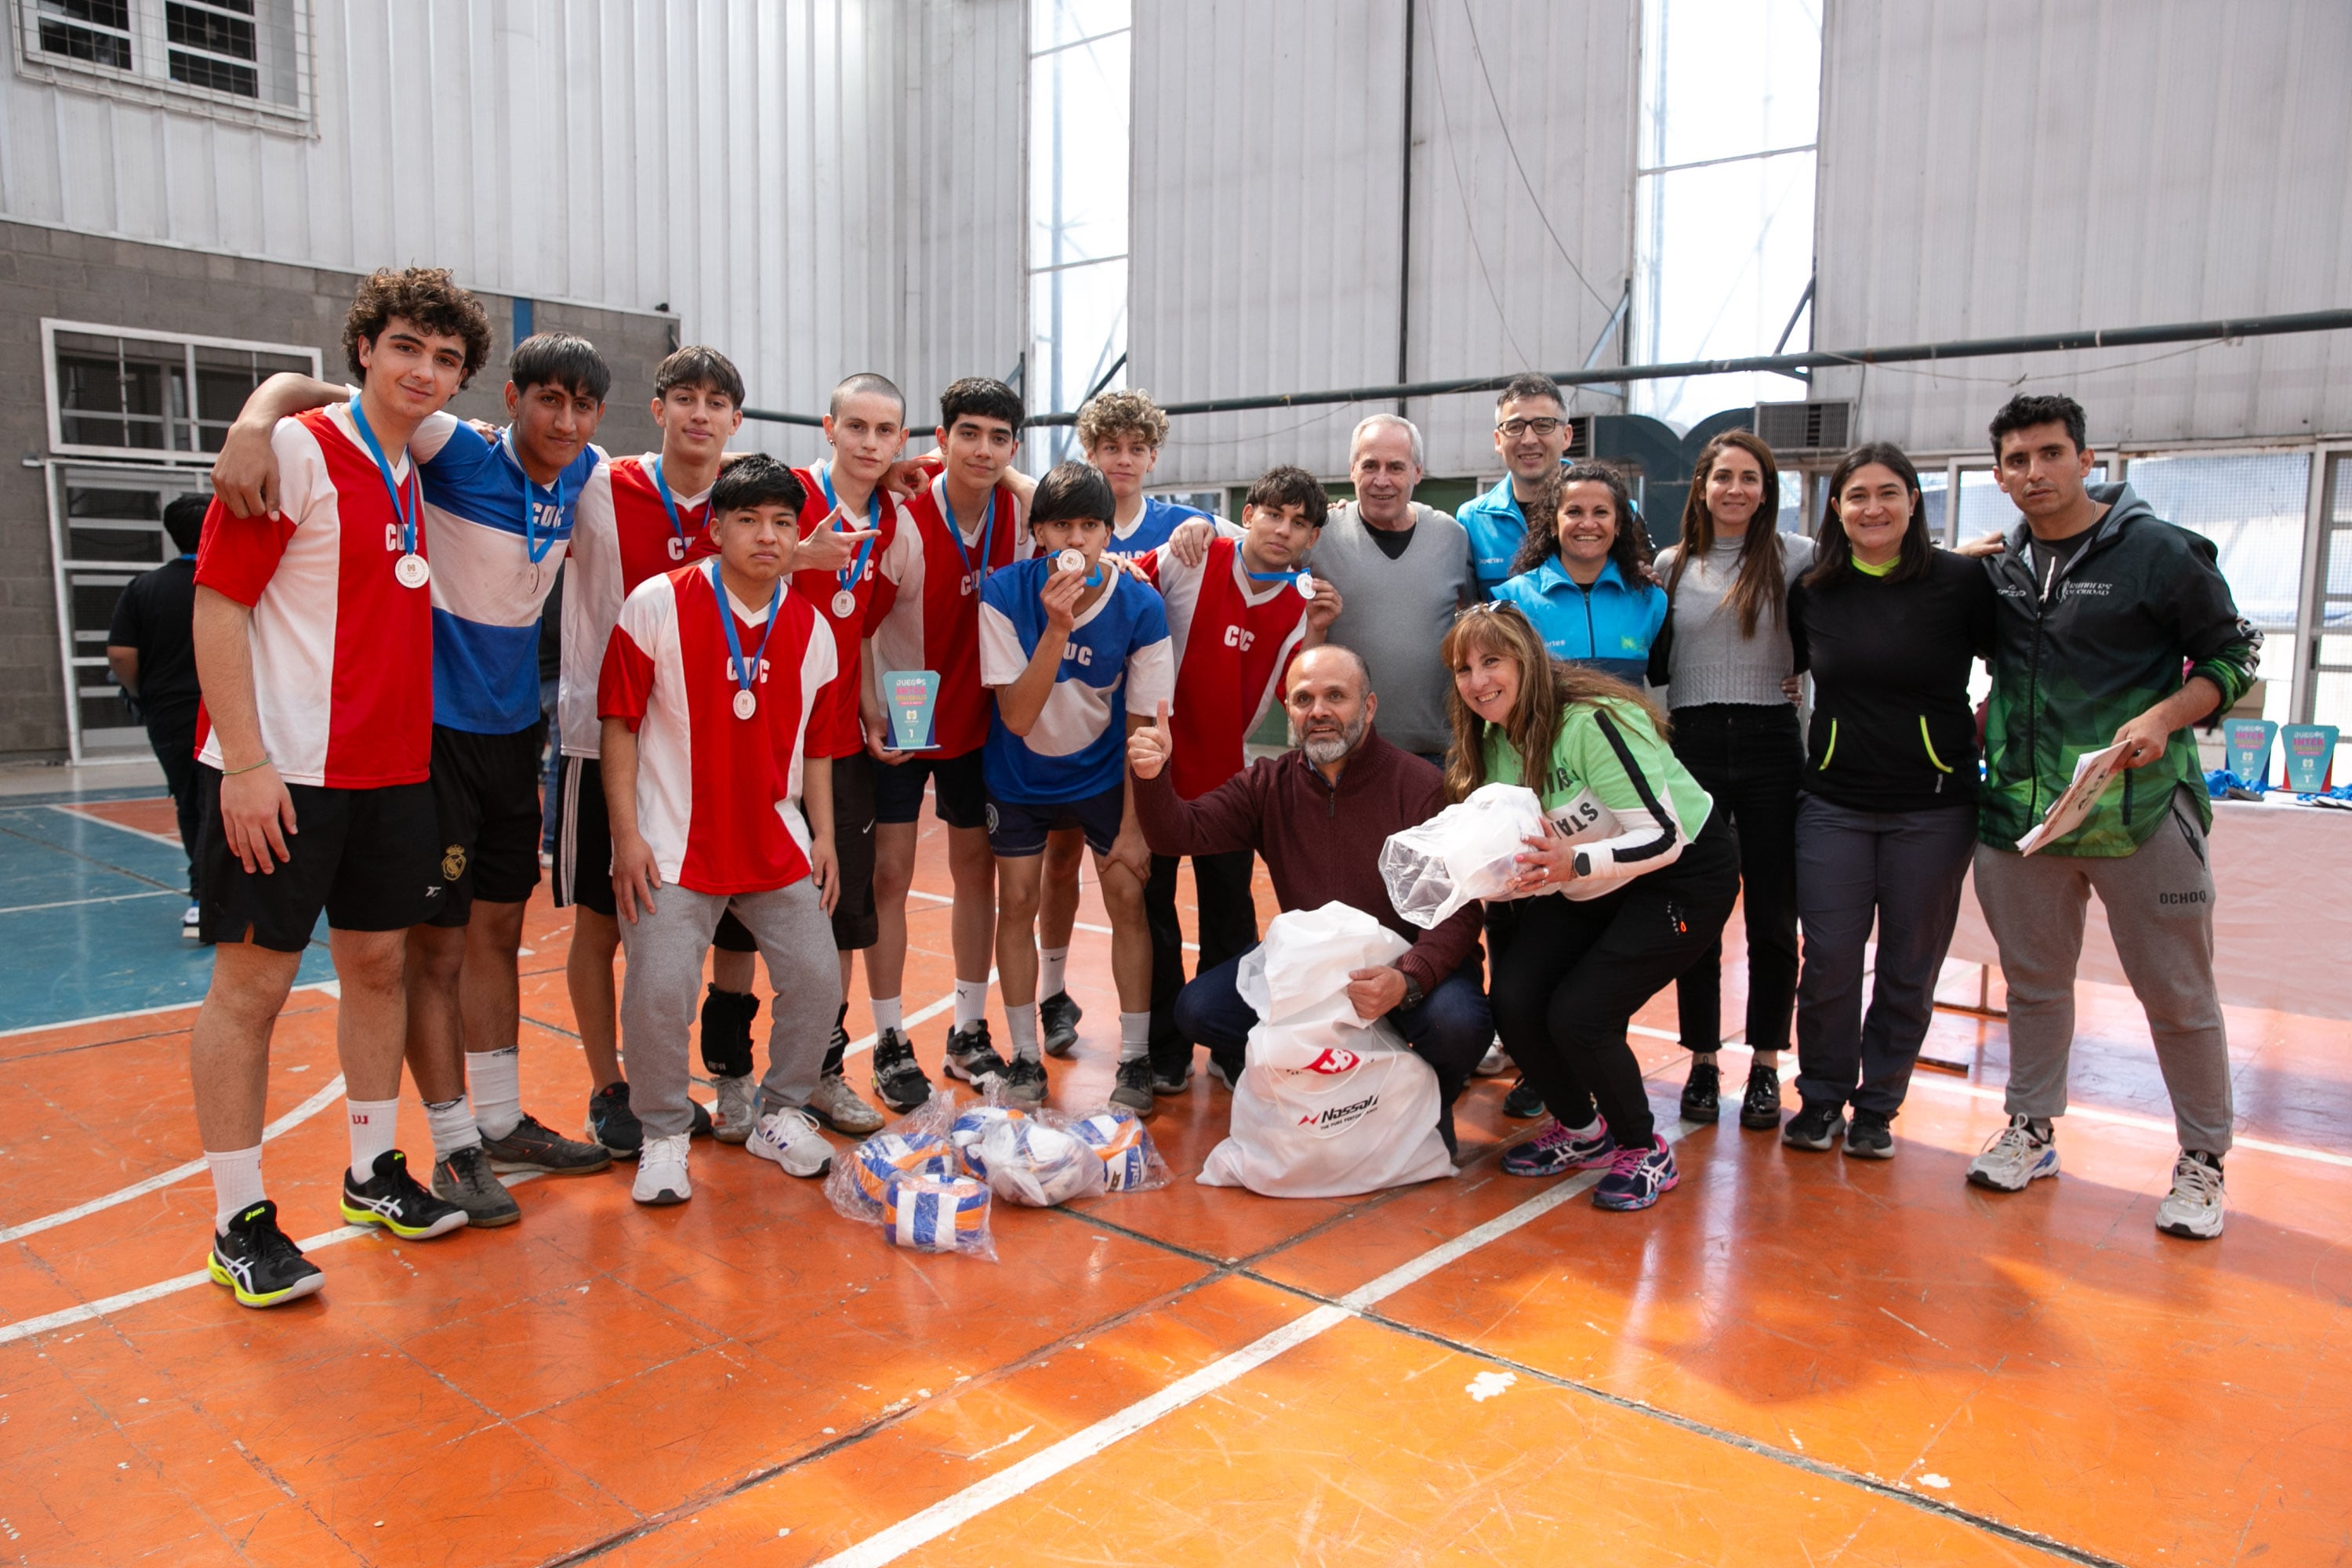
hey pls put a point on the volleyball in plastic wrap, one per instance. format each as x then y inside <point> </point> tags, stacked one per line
<point>973,1126</point>
<point>932,1214</point>
<point>1118,1139</point>
<point>1032,1163</point>
<point>887,1156</point>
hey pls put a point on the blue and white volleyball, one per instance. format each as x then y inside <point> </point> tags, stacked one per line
<point>1032,1163</point>
<point>971,1127</point>
<point>932,1214</point>
<point>887,1156</point>
<point>1118,1139</point>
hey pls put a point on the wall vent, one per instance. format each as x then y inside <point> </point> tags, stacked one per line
<point>1806,427</point>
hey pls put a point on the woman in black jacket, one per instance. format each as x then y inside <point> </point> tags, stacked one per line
<point>1889,627</point>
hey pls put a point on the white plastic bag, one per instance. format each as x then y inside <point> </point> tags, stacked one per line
<point>1468,851</point>
<point>1328,1104</point>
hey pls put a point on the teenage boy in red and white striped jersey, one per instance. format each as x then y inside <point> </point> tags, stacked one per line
<point>1238,613</point>
<point>314,648</point>
<point>926,616</point>
<point>721,801</point>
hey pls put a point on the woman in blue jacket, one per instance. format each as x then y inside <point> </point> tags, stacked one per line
<point>1578,574</point>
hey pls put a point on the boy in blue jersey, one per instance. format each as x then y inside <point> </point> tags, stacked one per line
<point>1531,433</point>
<point>1077,655</point>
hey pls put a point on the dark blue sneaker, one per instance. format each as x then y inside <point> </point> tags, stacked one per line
<point>1636,1176</point>
<point>1556,1151</point>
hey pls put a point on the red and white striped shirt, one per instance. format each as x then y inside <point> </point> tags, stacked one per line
<point>836,732</point>
<point>926,610</point>
<point>1234,638</point>
<point>621,535</point>
<point>719,797</point>
<point>343,653</point>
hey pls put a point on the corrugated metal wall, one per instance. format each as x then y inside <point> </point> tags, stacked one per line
<point>1268,165</point>
<point>2000,166</point>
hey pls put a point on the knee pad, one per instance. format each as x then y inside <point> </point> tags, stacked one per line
<point>727,1032</point>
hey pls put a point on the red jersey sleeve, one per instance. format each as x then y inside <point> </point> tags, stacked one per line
<point>238,555</point>
<point>1149,565</point>
<point>626,684</point>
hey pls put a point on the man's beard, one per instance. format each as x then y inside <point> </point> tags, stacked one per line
<point>1325,749</point>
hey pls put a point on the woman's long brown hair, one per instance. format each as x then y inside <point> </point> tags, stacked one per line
<point>1546,688</point>
<point>1760,588</point>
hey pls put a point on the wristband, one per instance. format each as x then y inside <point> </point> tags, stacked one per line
<point>232,772</point>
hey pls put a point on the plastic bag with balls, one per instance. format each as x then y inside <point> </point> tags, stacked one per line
<point>914,1145</point>
<point>1035,1164</point>
<point>932,1214</point>
<point>1132,1162</point>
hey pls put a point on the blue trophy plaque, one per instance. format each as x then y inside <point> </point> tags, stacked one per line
<point>2310,747</point>
<point>908,695</point>
<point>2247,743</point>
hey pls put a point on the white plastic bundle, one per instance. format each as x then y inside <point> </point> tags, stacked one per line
<point>1037,1165</point>
<point>1469,850</point>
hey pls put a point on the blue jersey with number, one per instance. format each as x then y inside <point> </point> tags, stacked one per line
<point>1117,658</point>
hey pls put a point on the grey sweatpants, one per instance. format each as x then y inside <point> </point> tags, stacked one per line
<point>2160,903</point>
<point>663,989</point>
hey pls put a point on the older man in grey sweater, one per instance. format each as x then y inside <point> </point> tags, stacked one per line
<point>1403,570</point>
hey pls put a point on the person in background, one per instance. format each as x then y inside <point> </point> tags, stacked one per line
<point>151,649</point>
<point>1724,654</point>
<point>1645,871</point>
<point>2102,606</point>
<point>1404,570</point>
<point>1531,433</point>
<point>1889,627</point>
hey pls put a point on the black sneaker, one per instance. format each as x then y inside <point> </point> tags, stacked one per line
<point>897,1077</point>
<point>1024,1081</point>
<point>1170,1079</point>
<point>702,1127</point>
<point>1760,1108</point>
<point>1523,1102</point>
<point>1057,1023</point>
<point>611,1124</point>
<point>971,1058</point>
<point>1135,1089</point>
<point>464,1177</point>
<point>258,1262</point>
<point>535,1146</point>
<point>1702,1092</point>
<point>1870,1138</point>
<point>1815,1127</point>
<point>390,1198</point>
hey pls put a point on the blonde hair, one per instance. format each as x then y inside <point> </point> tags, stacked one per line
<point>1546,688</point>
<point>1120,412</point>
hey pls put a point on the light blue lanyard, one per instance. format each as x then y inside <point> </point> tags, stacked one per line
<point>848,576</point>
<point>531,541</point>
<point>746,670</point>
<point>676,525</point>
<point>403,506</point>
<point>955,530</point>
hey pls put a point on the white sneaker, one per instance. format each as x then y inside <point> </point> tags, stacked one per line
<point>1496,1062</point>
<point>661,1171</point>
<point>738,1109</point>
<point>2015,1158</point>
<point>790,1138</point>
<point>838,1106</point>
<point>2193,1207</point>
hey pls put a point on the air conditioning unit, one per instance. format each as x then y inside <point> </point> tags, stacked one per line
<point>1579,438</point>
<point>1805,426</point>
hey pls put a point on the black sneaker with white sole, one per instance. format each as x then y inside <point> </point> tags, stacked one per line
<point>1024,1081</point>
<point>464,1177</point>
<point>1816,1127</point>
<point>897,1077</point>
<point>390,1198</point>
<point>258,1262</point>
<point>1871,1137</point>
<point>971,1058</point>
<point>1057,1023</point>
<point>1134,1089</point>
<point>532,1145</point>
<point>612,1125</point>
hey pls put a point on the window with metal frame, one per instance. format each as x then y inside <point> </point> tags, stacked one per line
<point>243,55</point>
<point>1079,94</point>
<point>122,392</point>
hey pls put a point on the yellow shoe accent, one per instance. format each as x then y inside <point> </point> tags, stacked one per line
<point>270,1299</point>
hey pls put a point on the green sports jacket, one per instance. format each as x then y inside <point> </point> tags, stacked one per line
<point>2140,608</point>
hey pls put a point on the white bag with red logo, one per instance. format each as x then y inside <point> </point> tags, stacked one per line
<point>1328,1104</point>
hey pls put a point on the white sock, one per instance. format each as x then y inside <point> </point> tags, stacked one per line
<point>237,1182</point>
<point>375,1128</point>
<point>452,1125</point>
<point>497,1078</point>
<point>1051,962</point>
<point>1768,1059</point>
<point>1590,1130</point>
<point>1024,1021</point>
<point>888,1014</point>
<point>972,1001</point>
<point>1134,1036</point>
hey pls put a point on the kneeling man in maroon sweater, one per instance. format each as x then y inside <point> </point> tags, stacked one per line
<point>1318,814</point>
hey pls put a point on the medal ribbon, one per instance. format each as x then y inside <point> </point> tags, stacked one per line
<point>531,541</point>
<point>848,576</point>
<point>955,530</point>
<point>747,671</point>
<point>403,506</point>
<point>662,485</point>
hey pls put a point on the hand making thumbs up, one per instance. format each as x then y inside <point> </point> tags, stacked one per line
<point>1148,748</point>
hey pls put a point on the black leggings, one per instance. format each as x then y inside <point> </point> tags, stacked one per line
<point>1749,759</point>
<point>1570,974</point>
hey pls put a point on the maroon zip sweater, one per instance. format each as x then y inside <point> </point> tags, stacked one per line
<point>1320,843</point>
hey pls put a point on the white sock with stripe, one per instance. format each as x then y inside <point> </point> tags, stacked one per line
<point>376,1129</point>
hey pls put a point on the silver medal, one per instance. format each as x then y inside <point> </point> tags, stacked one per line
<point>746,705</point>
<point>1305,586</point>
<point>844,603</point>
<point>1070,561</point>
<point>412,570</point>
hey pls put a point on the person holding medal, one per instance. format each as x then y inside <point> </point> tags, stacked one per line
<point>313,630</point>
<point>721,801</point>
<point>1238,612</point>
<point>1075,650</point>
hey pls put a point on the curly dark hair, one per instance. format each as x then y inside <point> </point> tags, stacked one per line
<point>427,296</point>
<point>1629,550</point>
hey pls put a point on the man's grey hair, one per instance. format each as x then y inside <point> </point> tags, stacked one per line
<point>1386,421</point>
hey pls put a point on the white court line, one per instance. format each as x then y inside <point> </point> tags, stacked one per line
<point>333,988</point>
<point>923,1015</point>
<point>105,899</point>
<point>170,842</point>
<point>330,1092</point>
<point>959,1508</point>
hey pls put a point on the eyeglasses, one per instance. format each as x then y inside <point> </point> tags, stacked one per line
<point>1514,428</point>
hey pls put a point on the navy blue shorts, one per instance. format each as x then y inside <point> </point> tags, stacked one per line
<point>958,796</point>
<point>1017,829</point>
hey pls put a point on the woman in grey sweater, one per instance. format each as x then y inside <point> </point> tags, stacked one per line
<point>1724,655</point>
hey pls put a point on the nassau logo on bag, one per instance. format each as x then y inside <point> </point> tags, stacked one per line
<point>1334,1059</point>
<point>1337,1117</point>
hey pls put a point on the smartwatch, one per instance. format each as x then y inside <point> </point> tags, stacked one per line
<point>1413,996</point>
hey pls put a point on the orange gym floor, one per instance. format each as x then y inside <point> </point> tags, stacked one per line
<point>1791,1359</point>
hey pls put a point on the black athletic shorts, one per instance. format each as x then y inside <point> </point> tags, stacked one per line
<point>959,796</point>
<point>584,853</point>
<point>368,857</point>
<point>1017,829</point>
<point>855,926</point>
<point>486,794</point>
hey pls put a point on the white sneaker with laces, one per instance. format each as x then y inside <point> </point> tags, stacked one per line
<point>661,1171</point>
<point>790,1138</point>
<point>839,1107</point>
<point>738,1109</point>
<point>1496,1062</point>
<point>2193,1208</point>
<point>2014,1159</point>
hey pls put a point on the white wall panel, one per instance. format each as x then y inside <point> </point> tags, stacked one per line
<point>1268,167</point>
<point>1991,167</point>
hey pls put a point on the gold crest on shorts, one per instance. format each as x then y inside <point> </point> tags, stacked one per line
<point>453,862</point>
